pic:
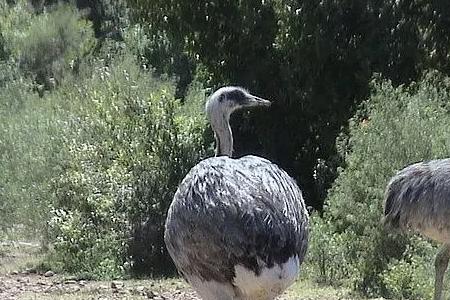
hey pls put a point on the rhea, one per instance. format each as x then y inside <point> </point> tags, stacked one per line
<point>237,229</point>
<point>418,198</point>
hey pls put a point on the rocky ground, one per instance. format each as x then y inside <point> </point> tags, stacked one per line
<point>30,285</point>
<point>18,280</point>
<point>37,286</point>
<point>27,285</point>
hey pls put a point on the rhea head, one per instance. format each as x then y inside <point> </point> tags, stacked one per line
<point>221,104</point>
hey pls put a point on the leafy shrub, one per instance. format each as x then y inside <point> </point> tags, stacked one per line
<point>411,277</point>
<point>29,158</point>
<point>129,145</point>
<point>156,50</point>
<point>326,246</point>
<point>48,44</point>
<point>393,128</point>
<point>14,20</point>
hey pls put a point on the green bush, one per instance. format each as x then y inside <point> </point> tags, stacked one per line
<point>319,256</point>
<point>46,45</point>
<point>33,48</point>
<point>156,50</point>
<point>411,277</point>
<point>29,157</point>
<point>129,143</point>
<point>393,128</point>
<point>14,20</point>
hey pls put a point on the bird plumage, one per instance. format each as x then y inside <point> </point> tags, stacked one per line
<point>229,212</point>
<point>251,200</point>
<point>418,198</point>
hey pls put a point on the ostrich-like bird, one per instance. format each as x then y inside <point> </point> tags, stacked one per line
<point>418,198</point>
<point>237,228</point>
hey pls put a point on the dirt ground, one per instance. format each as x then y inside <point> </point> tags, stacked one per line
<point>28,286</point>
<point>18,280</point>
<point>34,286</point>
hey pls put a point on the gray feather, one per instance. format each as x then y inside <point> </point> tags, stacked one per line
<point>228,211</point>
<point>418,198</point>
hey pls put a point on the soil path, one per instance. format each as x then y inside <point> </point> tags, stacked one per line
<point>25,285</point>
<point>21,283</point>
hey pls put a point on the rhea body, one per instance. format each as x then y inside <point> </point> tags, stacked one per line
<point>237,229</point>
<point>418,198</point>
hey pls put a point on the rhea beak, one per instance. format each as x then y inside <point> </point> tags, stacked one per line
<point>256,101</point>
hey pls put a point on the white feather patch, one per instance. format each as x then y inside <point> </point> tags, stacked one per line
<point>212,290</point>
<point>270,283</point>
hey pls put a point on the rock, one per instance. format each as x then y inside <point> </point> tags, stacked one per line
<point>31,270</point>
<point>22,280</point>
<point>116,284</point>
<point>70,281</point>
<point>49,274</point>
<point>140,288</point>
<point>151,295</point>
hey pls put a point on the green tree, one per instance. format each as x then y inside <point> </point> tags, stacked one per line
<point>108,17</point>
<point>313,59</point>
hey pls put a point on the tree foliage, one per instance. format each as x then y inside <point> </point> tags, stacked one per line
<point>314,59</point>
<point>92,163</point>
<point>46,46</point>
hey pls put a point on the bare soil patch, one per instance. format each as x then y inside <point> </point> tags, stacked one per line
<point>18,280</point>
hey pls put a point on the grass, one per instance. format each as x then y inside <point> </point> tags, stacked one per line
<point>308,290</point>
<point>18,256</point>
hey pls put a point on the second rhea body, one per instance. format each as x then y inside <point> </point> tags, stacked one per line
<point>418,198</point>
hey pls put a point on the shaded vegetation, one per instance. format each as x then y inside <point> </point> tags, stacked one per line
<point>313,59</point>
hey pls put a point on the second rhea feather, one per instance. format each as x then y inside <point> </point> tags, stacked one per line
<point>237,228</point>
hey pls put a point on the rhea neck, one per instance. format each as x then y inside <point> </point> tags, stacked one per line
<point>220,123</point>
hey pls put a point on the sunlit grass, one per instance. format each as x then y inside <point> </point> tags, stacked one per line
<point>18,256</point>
<point>308,290</point>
